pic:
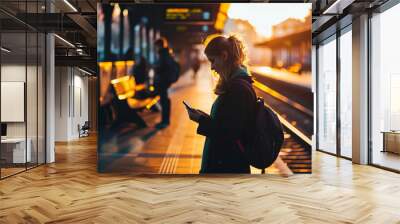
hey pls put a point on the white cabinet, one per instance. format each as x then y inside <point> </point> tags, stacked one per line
<point>17,146</point>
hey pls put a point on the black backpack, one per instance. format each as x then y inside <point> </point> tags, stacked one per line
<point>174,70</point>
<point>265,137</point>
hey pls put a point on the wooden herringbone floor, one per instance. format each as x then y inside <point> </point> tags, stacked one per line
<point>71,191</point>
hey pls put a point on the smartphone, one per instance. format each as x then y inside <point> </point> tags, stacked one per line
<point>187,105</point>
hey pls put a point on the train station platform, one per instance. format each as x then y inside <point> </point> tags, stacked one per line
<point>300,80</point>
<point>176,149</point>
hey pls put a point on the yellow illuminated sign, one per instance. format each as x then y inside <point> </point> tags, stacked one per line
<point>183,13</point>
<point>221,16</point>
<point>224,7</point>
<point>177,10</point>
<point>220,22</point>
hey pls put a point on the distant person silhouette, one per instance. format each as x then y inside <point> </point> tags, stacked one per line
<point>141,71</point>
<point>163,79</point>
<point>195,63</point>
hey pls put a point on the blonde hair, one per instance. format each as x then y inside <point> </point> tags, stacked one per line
<point>236,53</point>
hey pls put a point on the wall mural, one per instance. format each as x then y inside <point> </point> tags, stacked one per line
<point>179,86</point>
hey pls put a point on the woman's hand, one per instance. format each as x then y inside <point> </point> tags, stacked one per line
<point>195,114</point>
<point>203,113</point>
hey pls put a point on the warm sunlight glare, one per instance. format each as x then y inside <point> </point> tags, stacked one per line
<point>264,16</point>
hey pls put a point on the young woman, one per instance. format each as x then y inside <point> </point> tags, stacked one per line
<point>226,127</point>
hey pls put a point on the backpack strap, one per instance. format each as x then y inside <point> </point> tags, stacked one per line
<point>247,84</point>
<point>249,87</point>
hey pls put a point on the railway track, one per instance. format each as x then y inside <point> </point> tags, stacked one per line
<point>297,119</point>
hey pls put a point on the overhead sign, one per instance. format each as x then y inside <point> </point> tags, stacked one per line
<point>187,14</point>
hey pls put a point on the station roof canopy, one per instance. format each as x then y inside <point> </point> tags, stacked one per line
<point>287,40</point>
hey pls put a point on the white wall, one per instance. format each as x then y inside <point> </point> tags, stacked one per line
<point>61,103</point>
<point>16,73</point>
<point>80,110</point>
<point>33,126</point>
<point>71,102</point>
